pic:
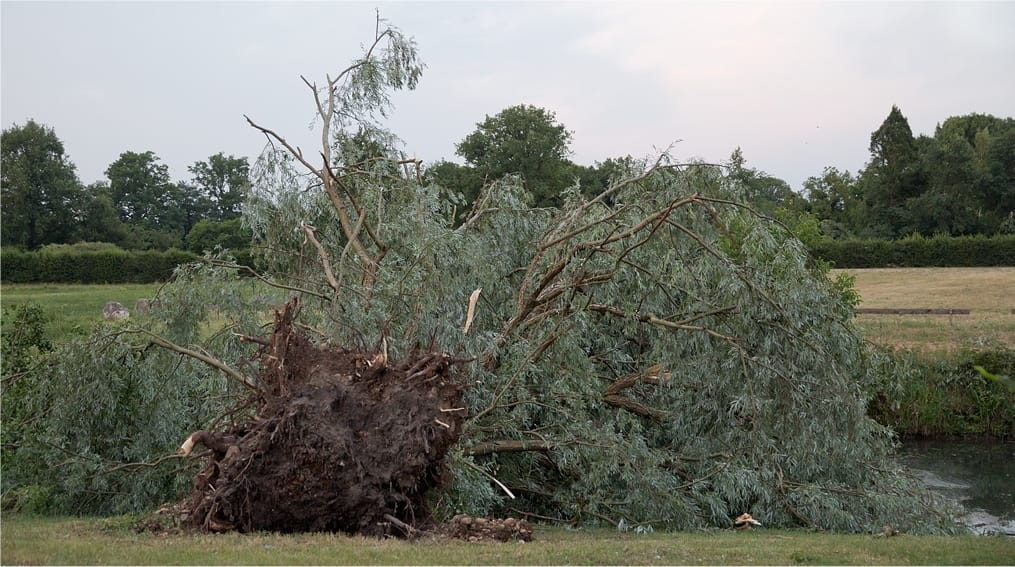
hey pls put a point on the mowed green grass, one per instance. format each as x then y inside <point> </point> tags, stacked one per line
<point>74,309</point>
<point>84,541</point>
<point>989,294</point>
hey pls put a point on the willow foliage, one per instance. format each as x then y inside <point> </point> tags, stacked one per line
<point>670,357</point>
<point>658,355</point>
<point>93,426</point>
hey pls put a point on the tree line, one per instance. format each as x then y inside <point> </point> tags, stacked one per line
<point>960,181</point>
<point>137,207</point>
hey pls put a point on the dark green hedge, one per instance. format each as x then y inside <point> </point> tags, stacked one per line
<point>109,266</point>
<point>916,251</point>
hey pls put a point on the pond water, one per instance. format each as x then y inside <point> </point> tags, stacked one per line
<point>979,474</point>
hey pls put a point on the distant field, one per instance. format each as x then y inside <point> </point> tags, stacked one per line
<point>74,309</point>
<point>989,294</point>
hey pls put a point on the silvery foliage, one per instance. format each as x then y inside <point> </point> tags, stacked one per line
<point>750,384</point>
<point>104,414</point>
<point>761,402</point>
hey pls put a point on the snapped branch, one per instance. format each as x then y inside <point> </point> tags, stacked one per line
<point>205,358</point>
<point>652,319</point>
<point>506,446</point>
<point>325,261</point>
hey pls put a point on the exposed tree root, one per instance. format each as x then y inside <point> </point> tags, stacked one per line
<point>341,441</point>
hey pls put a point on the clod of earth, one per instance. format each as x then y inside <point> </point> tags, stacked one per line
<point>341,441</point>
<point>482,529</point>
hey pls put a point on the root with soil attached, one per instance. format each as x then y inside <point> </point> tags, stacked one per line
<point>341,441</point>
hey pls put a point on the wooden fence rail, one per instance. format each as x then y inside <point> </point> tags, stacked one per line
<point>881,311</point>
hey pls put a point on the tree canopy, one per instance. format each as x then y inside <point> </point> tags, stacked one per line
<point>522,140</point>
<point>40,189</point>
<point>140,187</point>
<point>959,181</point>
<point>140,207</point>
<point>222,182</point>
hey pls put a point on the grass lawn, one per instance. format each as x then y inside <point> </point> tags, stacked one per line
<point>78,541</point>
<point>74,309</point>
<point>989,294</point>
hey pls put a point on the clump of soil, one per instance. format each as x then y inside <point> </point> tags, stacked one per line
<point>341,441</point>
<point>166,520</point>
<point>469,528</point>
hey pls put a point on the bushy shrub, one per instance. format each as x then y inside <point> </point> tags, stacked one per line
<point>207,235</point>
<point>22,341</point>
<point>947,396</point>
<point>79,247</point>
<point>23,336</point>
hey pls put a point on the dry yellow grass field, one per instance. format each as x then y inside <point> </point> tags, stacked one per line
<point>989,294</point>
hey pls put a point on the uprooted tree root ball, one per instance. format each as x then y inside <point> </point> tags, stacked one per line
<point>341,441</point>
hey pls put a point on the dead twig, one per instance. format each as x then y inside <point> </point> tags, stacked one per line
<point>409,530</point>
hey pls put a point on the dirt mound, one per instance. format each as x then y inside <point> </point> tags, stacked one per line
<point>481,529</point>
<point>341,441</point>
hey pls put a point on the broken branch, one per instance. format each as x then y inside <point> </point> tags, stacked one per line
<point>325,261</point>
<point>207,359</point>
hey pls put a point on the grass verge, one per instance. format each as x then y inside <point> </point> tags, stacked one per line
<point>86,541</point>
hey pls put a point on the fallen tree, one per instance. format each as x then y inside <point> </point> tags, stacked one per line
<point>658,354</point>
<point>661,353</point>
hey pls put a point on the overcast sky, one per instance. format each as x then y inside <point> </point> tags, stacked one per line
<point>798,86</point>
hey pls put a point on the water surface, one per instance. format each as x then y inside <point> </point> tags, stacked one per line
<point>979,474</point>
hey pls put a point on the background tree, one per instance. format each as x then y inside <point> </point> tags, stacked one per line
<point>524,140</point>
<point>836,202</point>
<point>100,219</point>
<point>764,191</point>
<point>892,176</point>
<point>1000,179</point>
<point>958,181</point>
<point>990,185</point>
<point>155,208</point>
<point>460,179</point>
<point>951,202</point>
<point>38,187</point>
<point>138,185</point>
<point>208,234</point>
<point>221,182</point>
<point>604,174</point>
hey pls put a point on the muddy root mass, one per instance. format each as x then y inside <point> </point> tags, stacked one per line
<point>469,528</point>
<point>341,441</point>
